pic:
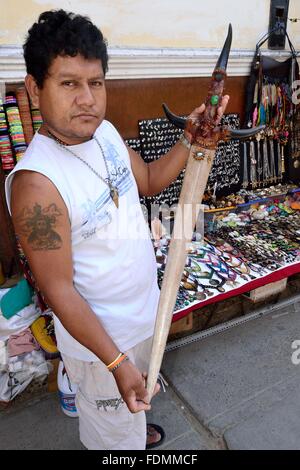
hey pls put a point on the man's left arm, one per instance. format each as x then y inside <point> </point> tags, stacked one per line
<point>153,177</point>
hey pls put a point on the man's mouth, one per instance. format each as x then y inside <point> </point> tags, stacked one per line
<point>86,116</point>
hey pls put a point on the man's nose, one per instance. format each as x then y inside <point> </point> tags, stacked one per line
<point>85,96</point>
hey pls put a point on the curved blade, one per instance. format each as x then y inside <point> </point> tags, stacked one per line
<point>173,118</point>
<point>244,133</point>
<point>223,59</point>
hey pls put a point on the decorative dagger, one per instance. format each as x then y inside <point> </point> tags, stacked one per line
<point>205,136</point>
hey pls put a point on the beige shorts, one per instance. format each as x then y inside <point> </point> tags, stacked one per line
<point>105,423</point>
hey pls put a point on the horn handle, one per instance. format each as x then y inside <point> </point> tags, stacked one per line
<point>173,118</point>
<point>226,133</point>
<point>242,134</point>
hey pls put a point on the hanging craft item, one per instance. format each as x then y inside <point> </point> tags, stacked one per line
<point>24,108</point>
<point>294,162</point>
<point>135,144</point>
<point>37,120</point>
<point>225,172</point>
<point>269,101</point>
<point>205,136</point>
<point>157,137</point>
<point>3,122</point>
<point>15,126</point>
<point>6,152</point>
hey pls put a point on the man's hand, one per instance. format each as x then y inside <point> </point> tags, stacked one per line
<point>196,113</point>
<point>131,384</point>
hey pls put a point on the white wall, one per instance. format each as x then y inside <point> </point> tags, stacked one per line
<point>152,38</point>
<point>155,23</point>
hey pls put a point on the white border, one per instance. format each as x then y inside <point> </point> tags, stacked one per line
<point>147,63</point>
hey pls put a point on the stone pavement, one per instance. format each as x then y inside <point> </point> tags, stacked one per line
<point>235,390</point>
<point>241,385</point>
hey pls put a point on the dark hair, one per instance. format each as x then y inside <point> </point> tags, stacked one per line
<point>58,32</point>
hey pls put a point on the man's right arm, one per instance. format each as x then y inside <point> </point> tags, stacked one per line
<point>42,224</point>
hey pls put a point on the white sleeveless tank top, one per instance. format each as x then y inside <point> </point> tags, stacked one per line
<point>113,258</point>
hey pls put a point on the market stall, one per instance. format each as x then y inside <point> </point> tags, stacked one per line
<point>244,248</point>
<point>227,201</point>
<point>251,216</point>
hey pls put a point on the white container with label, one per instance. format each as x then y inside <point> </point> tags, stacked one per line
<point>67,392</point>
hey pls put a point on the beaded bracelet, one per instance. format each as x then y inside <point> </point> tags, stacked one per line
<point>114,361</point>
<point>122,359</point>
<point>184,141</point>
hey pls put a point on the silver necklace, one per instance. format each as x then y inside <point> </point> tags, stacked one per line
<point>253,168</point>
<point>113,191</point>
<point>266,167</point>
<point>245,173</point>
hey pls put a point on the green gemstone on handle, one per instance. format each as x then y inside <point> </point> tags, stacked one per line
<point>214,100</point>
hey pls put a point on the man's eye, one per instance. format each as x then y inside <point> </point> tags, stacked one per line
<point>97,83</point>
<point>68,83</point>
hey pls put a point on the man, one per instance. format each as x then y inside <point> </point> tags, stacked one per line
<point>95,266</point>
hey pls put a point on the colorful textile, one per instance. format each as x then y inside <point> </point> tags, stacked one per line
<point>16,299</point>
<point>22,343</point>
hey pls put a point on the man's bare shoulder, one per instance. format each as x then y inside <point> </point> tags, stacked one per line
<point>39,214</point>
<point>31,180</point>
<point>30,189</point>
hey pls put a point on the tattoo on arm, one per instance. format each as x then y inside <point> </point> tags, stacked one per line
<point>38,225</point>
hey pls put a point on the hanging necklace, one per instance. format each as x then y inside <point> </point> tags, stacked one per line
<point>113,191</point>
<point>245,173</point>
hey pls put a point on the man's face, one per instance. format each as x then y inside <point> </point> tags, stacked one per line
<point>73,98</point>
<point>42,227</point>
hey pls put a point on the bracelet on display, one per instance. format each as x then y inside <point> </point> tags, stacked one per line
<point>185,141</point>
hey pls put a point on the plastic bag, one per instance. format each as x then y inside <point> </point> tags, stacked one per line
<point>21,320</point>
<point>20,371</point>
<point>3,356</point>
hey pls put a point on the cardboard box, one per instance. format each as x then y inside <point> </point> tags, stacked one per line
<point>184,324</point>
<point>268,290</point>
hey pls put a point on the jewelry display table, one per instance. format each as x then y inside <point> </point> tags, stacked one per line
<point>244,249</point>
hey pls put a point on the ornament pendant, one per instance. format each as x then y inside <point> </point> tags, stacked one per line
<point>296,164</point>
<point>115,196</point>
